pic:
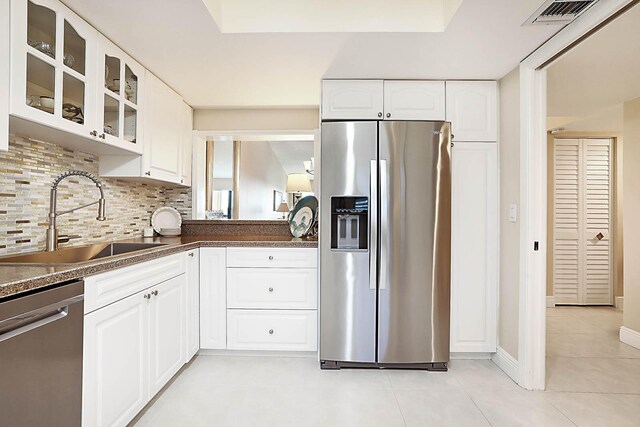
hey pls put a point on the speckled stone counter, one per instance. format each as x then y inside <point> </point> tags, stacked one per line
<point>16,279</point>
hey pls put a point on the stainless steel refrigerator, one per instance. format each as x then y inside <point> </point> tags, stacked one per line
<point>385,244</point>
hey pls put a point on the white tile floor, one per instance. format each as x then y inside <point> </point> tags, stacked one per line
<point>593,380</point>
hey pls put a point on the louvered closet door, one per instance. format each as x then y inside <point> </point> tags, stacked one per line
<point>582,221</point>
<point>597,221</point>
<point>566,247</point>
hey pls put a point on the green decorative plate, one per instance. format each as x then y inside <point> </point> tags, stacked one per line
<point>303,216</point>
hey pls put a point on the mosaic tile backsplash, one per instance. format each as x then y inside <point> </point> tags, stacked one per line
<point>27,171</point>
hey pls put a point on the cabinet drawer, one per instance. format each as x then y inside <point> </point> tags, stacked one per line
<point>284,330</point>
<point>272,288</point>
<point>106,288</point>
<point>272,257</point>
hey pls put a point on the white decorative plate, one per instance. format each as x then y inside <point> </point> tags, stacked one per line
<point>165,218</point>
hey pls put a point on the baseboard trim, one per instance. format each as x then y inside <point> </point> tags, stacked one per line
<point>470,356</point>
<point>551,301</point>
<point>258,353</point>
<point>506,362</point>
<point>630,337</point>
<point>619,303</point>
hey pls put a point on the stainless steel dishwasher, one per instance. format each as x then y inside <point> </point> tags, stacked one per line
<point>41,358</point>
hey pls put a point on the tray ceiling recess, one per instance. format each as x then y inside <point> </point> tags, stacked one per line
<point>332,16</point>
<point>559,12</point>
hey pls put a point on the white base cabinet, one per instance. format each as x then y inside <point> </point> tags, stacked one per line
<point>132,348</point>
<point>213,300</point>
<point>285,330</point>
<point>116,357</point>
<point>193,303</point>
<point>167,327</point>
<point>474,243</point>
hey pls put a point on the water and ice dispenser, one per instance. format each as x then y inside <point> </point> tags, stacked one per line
<point>349,223</point>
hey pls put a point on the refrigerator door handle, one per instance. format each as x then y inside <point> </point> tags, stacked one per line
<point>384,223</point>
<point>373,226</point>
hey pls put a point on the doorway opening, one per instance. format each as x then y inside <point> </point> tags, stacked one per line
<point>579,105</point>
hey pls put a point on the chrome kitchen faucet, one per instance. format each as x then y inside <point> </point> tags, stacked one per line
<point>52,231</point>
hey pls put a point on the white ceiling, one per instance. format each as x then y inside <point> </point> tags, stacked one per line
<point>291,154</point>
<point>588,85</point>
<point>180,42</point>
<point>323,16</point>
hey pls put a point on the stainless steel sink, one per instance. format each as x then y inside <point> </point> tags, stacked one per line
<point>78,254</point>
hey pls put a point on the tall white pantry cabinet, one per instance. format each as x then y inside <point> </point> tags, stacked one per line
<point>472,109</point>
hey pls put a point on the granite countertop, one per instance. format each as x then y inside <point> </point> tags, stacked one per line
<point>16,279</point>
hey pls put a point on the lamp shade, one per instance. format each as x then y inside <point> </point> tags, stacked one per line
<point>298,183</point>
<point>284,207</point>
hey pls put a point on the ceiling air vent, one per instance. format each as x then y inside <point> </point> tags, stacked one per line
<point>559,12</point>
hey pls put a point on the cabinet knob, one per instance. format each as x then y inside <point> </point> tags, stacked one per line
<point>380,114</point>
<point>270,289</point>
<point>270,257</point>
<point>147,296</point>
<point>154,293</point>
<point>270,331</point>
<point>191,254</point>
<point>388,115</point>
<point>93,133</point>
<point>182,181</point>
<point>148,173</point>
<point>102,135</point>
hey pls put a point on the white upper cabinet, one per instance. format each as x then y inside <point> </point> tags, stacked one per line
<point>119,97</point>
<point>162,159</point>
<point>187,143</point>
<point>414,100</point>
<point>53,67</point>
<point>352,99</point>
<point>472,109</point>
<point>383,100</point>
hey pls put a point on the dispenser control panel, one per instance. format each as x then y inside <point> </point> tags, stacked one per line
<point>349,223</point>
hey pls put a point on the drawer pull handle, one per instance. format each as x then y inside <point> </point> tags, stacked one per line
<point>270,257</point>
<point>270,289</point>
<point>270,331</point>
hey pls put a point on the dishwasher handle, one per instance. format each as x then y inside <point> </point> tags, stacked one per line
<point>31,320</point>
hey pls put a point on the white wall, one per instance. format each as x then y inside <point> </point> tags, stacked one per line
<point>509,153</point>
<point>260,174</point>
<point>631,178</point>
<point>252,119</point>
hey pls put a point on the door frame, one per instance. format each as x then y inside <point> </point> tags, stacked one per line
<point>533,187</point>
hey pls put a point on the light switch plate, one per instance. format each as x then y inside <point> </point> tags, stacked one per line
<point>513,212</point>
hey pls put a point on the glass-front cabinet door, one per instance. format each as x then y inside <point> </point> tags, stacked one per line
<point>119,97</point>
<point>53,78</point>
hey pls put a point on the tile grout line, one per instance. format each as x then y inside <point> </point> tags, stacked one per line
<point>464,390</point>
<point>560,410</point>
<point>399,407</point>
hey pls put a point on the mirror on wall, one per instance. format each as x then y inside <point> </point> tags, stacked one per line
<point>251,177</point>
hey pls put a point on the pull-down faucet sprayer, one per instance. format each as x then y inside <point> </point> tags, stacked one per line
<point>52,231</point>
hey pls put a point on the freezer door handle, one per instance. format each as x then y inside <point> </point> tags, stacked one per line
<point>373,226</point>
<point>384,223</point>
